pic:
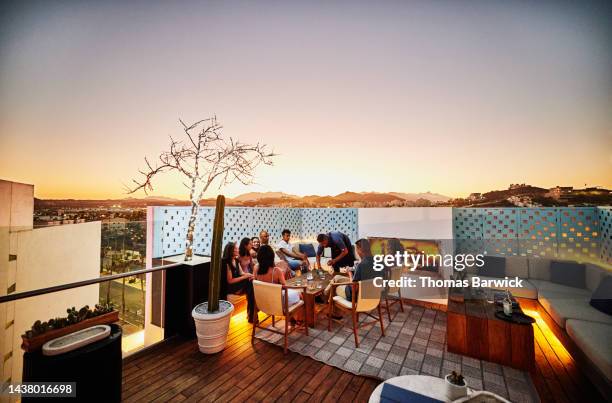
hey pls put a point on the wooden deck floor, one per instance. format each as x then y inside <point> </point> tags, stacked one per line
<point>177,371</point>
<point>261,372</point>
<point>557,376</point>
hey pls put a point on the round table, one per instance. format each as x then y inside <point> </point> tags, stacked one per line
<point>429,386</point>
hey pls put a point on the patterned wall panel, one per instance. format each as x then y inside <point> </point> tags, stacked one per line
<point>578,233</point>
<point>538,223</point>
<point>321,220</point>
<point>573,233</point>
<point>170,225</point>
<point>467,224</point>
<point>500,223</point>
<point>605,229</point>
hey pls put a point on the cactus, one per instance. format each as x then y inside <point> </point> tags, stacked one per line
<point>214,279</point>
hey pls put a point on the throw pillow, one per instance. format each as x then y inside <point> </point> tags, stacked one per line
<point>494,266</point>
<point>602,296</point>
<point>308,249</point>
<point>570,274</point>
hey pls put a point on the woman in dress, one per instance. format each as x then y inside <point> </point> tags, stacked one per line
<point>238,282</point>
<point>246,260</point>
<point>269,273</point>
<point>256,244</point>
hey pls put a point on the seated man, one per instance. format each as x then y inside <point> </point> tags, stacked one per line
<point>363,271</point>
<point>341,249</point>
<point>264,237</point>
<point>294,259</point>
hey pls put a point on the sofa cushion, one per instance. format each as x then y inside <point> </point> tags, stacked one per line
<point>570,274</point>
<point>494,266</point>
<point>539,268</point>
<point>594,341</point>
<point>516,266</point>
<point>308,249</point>
<point>555,290</point>
<point>602,296</point>
<point>561,307</point>
<point>528,290</point>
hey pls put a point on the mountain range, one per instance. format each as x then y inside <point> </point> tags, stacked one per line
<point>262,199</point>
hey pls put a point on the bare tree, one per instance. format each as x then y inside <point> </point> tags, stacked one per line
<point>205,156</point>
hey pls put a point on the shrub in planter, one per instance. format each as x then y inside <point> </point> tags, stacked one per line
<point>456,387</point>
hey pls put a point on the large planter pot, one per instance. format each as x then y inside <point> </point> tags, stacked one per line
<point>212,328</point>
<point>454,392</point>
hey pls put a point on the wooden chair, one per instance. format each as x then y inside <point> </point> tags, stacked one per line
<point>270,299</point>
<point>395,274</point>
<point>358,304</point>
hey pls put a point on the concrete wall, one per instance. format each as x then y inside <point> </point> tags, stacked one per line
<point>16,215</point>
<point>52,256</point>
<point>427,223</point>
<point>32,259</point>
<point>407,222</point>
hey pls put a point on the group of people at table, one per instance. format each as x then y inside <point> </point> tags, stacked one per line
<point>254,259</point>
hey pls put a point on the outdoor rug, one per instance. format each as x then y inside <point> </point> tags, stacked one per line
<point>414,343</point>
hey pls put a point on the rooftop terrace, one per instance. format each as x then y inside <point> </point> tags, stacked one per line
<point>175,371</point>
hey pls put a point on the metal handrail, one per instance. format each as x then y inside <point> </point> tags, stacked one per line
<point>42,291</point>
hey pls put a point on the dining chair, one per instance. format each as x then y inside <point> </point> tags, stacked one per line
<point>394,274</point>
<point>365,297</point>
<point>273,300</point>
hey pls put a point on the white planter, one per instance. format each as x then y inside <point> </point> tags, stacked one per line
<point>212,328</point>
<point>454,392</point>
<point>75,340</point>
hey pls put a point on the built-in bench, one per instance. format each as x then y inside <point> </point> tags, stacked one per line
<point>563,291</point>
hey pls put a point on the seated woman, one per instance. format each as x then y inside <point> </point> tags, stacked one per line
<point>269,273</point>
<point>247,264</point>
<point>238,282</point>
<point>256,244</point>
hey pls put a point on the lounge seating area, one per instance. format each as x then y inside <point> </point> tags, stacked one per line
<point>388,346</point>
<point>563,356</point>
<point>564,291</point>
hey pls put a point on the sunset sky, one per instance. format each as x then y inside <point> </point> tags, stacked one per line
<point>451,97</point>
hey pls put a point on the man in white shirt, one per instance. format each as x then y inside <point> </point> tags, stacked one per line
<point>294,259</point>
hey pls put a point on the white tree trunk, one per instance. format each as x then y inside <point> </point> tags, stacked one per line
<point>190,230</point>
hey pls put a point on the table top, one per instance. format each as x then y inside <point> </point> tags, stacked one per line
<point>474,305</point>
<point>426,385</point>
<point>315,281</point>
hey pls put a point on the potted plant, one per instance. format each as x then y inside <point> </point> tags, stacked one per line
<point>203,158</point>
<point>212,317</point>
<point>456,387</point>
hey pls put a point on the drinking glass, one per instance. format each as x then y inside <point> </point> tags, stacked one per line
<point>490,296</point>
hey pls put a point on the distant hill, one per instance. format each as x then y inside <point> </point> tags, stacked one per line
<point>432,197</point>
<point>258,199</point>
<point>372,197</point>
<point>263,195</point>
<point>518,191</point>
<point>498,198</point>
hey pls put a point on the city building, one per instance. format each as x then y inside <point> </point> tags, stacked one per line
<point>34,258</point>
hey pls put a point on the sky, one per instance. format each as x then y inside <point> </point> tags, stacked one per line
<point>451,97</point>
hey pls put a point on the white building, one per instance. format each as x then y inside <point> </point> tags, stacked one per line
<point>39,258</point>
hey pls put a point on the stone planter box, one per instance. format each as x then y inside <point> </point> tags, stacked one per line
<point>36,342</point>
